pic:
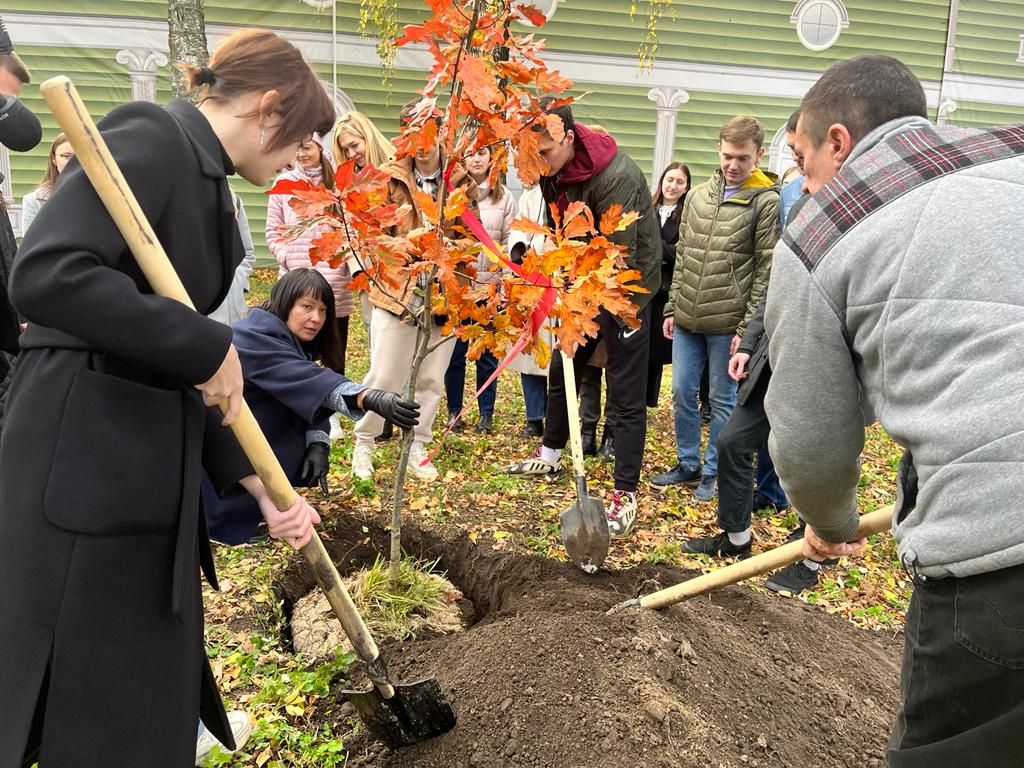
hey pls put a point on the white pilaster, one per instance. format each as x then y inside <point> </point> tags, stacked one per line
<point>667,100</point>
<point>142,65</point>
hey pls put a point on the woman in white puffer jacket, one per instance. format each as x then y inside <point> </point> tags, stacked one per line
<point>313,165</point>
<point>497,212</point>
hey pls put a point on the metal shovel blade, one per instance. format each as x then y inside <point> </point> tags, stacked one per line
<point>585,530</point>
<point>417,712</point>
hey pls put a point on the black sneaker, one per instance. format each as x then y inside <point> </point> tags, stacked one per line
<point>589,439</point>
<point>678,475</point>
<point>456,424</point>
<point>386,433</point>
<point>486,422</point>
<point>607,450</point>
<point>762,503</point>
<point>798,533</point>
<point>533,428</point>
<point>793,579</point>
<point>717,546</point>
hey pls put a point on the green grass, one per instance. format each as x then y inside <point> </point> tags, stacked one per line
<point>388,608</point>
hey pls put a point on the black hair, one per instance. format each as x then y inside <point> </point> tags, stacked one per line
<point>861,94</point>
<point>793,120</point>
<point>325,347</point>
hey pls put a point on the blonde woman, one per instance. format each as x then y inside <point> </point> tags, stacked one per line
<point>60,154</point>
<point>357,138</point>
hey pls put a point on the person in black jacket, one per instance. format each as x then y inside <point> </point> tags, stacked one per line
<point>13,75</point>
<point>288,349</point>
<point>586,165</point>
<point>109,426</point>
<point>668,202</point>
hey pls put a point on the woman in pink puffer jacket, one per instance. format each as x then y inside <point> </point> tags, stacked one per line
<point>311,164</point>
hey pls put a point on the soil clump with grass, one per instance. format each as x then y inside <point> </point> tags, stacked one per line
<point>543,677</point>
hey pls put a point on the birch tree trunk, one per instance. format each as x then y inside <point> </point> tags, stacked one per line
<point>186,39</point>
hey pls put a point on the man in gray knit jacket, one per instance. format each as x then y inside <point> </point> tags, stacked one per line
<point>898,291</point>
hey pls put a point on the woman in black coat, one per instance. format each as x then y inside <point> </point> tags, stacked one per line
<point>668,202</point>
<point>107,432</point>
<point>288,349</point>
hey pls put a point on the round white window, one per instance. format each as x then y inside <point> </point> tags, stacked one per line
<point>819,22</point>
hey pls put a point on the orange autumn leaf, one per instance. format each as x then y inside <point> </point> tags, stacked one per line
<point>530,166</point>
<point>328,246</point>
<point>577,221</point>
<point>427,206</point>
<point>613,220</point>
<point>531,13</point>
<point>555,127</point>
<point>530,227</point>
<point>344,174</point>
<point>456,203</point>
<point>479,83</point>
<point>551,82</point>
<point>312,202</point>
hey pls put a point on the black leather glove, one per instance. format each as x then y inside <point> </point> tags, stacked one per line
<point>390,405</point>
<point>314,466</point>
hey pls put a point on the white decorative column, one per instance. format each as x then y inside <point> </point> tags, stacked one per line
<point>142,65</point>
<point>946,107</point>
<point>667,101</point>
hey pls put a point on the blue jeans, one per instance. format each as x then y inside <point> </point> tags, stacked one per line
<point>455,379</point>
<point>689,353</point>
<point>535,394</point>
<point>768,481</point>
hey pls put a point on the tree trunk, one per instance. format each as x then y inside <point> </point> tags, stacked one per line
<point>186,39</point>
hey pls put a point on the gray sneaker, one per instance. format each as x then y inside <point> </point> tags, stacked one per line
<point>678,475</point>
<point>708,488</point>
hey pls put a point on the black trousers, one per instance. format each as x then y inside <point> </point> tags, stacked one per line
<point>627,382</point>
<point>740,438</point>
<point>962,684</point>
<point>590,400</point>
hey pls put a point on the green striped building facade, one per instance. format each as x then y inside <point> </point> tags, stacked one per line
<point>715,59</point>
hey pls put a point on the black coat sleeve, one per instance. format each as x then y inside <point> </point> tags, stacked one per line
<point>223,459</point>
<point>74,272</point>
<point>755,328</point>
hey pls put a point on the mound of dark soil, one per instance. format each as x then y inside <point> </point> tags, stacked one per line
<point>545,678</point>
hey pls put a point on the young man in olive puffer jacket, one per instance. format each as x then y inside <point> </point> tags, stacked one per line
<point>728,229</point>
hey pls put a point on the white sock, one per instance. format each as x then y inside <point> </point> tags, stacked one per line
<point>550,455</point>
<point>812,565</point>
<point>739,539</point>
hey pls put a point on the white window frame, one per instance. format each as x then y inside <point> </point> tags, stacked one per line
<point>803,6</point>
<point>1020,50</point>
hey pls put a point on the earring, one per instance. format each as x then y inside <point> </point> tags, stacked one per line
<point>261,137</point>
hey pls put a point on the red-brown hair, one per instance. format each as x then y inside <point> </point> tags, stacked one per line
<point>257,60</point>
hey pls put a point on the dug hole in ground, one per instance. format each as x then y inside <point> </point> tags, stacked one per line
<point>541,676</point>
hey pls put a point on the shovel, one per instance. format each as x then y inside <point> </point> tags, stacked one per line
<point>398,715</point>
<point>871,523</point>
<point>584,524</point>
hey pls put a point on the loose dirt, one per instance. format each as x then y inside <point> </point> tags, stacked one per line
<point>544,678</point>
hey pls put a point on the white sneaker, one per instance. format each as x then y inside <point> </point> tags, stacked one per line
<point>622,513</point>
<point>362,461</point>
<point>241,729</point>
<point>428,472</point>
<point>336,431</point>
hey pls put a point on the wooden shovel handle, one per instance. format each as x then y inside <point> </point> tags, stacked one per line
<point>871,523</point>
<point>112,188</point>
<point>572,407</point>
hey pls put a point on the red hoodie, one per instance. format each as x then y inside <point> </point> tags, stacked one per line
<point>593,151</point>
